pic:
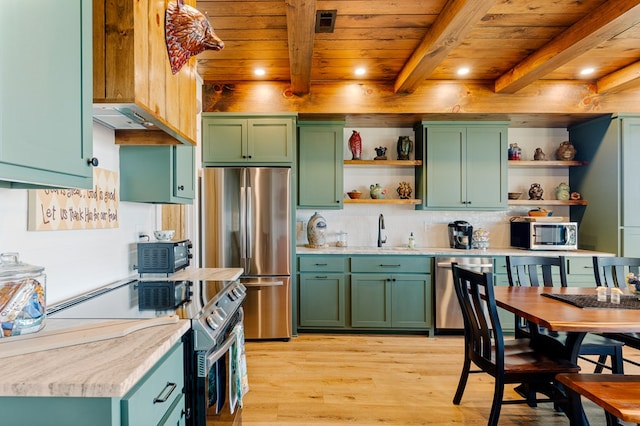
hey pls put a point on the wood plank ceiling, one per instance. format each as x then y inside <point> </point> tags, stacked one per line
<point>507,44</point>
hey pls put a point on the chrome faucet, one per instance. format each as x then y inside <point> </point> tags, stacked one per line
<point>380,228</point>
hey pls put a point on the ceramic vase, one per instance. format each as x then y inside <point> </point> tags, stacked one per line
<point>355,145</point>
<point>405,146</point>
<point>566,151</point>
<point>377,192</point>
<point>316,229</point>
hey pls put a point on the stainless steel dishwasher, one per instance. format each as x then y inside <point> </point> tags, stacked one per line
<point>448,313</point>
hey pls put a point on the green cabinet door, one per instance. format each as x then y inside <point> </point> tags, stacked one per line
<point>630,175</point>
<point>370,301</point>
<point>411,301</point>
<point>322,300</point>
<point>157,174</point>
<point>320,165</point>
<point>46,82</point>
<point>232,139</point>
<point>464,165</point>
<point>500,279</point>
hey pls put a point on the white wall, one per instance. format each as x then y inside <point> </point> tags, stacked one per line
<point>79,260</point>
<point>429,228</point>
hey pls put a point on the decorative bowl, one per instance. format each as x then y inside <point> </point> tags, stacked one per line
<point>515,195</point>
<point>164,235</point>
<point>540,212</point>
<point>354,195</point>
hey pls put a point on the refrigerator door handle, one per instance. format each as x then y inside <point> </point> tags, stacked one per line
<point>243,229</point>
<point>250,227</point>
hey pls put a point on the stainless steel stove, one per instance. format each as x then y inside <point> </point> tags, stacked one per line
<point>215,311</point>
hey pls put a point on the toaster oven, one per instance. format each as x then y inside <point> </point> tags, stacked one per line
<point>533,235</point>
<point>163,257</point>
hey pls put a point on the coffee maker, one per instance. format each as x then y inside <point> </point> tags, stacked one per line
<point>460,234</point>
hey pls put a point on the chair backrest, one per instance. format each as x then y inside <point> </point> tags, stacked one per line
<point>526,270</point>
<point>611,271</point>
<point>482,331</point>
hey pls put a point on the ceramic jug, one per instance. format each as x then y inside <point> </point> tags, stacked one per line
<point>562,191</point>
<point>566,151</point>
<point>377,192</point>
<point>316,229</point>
<point>535,192</point>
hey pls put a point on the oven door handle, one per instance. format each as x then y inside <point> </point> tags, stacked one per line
<point>218,353</point>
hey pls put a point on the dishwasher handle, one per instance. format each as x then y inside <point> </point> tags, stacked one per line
<point>468,265</point>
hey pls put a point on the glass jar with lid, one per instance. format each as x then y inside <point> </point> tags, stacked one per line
<point>22,296</point>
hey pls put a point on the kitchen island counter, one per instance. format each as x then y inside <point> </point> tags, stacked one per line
<point>445,251</point>
<point>105,368</point>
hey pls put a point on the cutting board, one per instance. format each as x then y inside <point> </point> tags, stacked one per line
<point>45,340</point>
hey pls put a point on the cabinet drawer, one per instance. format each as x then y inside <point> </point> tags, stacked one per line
<point>391,264</point>
<point>154,396</point>
<point>321,263</point>
<point>580,266</point>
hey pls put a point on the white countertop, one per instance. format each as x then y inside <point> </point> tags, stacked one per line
<point>105,368</point>
<point>447,251</point>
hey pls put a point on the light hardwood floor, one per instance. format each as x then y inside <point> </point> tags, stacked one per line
<point>320,379</point>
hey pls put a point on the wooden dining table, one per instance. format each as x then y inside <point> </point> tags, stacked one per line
<point>560,316</point>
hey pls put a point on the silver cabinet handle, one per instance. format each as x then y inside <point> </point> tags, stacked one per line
<point>169,388</point>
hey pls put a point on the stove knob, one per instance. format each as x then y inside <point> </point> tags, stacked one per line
<point>220,313</point>
<point>242,290</point>
<point>214,323</point>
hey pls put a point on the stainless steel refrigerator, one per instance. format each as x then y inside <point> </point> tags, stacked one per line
<point>246,223</point>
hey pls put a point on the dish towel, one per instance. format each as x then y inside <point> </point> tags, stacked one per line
<point>238,378</point>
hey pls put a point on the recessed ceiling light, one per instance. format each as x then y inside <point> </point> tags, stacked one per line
<point>360,71</point>
<point>463,71</point>
<point>587,71</point>
<point>259,72</point>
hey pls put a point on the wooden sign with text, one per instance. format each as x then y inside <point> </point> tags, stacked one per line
<point>66,209</point>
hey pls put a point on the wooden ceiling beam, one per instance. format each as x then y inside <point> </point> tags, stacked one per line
<point>301,21</point>
<point>623,79</point>
<point>454,22</point>
<point>610,19</point>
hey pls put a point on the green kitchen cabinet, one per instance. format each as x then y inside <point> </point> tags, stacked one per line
<point>610,146</point>
<point>501,279</point>
<point>138,407</point>
<point>322,292</point>
<point>46,80</point>
<point>464,165</point>
<point>229,138</point>
<point>320,162</point>
<point>391,292</point>
<point>157,174</point>
<point>580,272</point>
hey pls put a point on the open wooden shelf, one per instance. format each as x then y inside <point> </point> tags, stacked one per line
<point>403,163</point>
<point>543,163</point>
<point>381,201</point>
<point>547,202</point>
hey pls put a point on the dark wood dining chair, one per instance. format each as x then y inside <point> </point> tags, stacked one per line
<point>611,272</point>
<point>507,361</point>
<point>548,271</point>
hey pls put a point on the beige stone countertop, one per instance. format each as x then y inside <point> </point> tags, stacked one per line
<point>447,251</point>
<point>105,368</point>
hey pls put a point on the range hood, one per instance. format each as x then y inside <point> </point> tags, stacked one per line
<point>122,117</point>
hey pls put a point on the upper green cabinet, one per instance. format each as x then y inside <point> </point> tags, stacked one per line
<point>157,174</point>
<point>46,133</point>
<point>237,139</point>
<point>320,157</point>
<point>610,146</point>
<point>464,165</point>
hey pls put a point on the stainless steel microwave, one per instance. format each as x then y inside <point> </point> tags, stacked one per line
<point>163,257</point>
<point>544,235</point>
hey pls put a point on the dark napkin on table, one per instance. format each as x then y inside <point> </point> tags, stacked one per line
<point>590,301</point>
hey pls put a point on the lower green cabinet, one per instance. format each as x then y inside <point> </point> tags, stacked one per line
<point>322,300</point>
<point>501,279</point>
<point>372,293</point>
<point>391,301</point>
<point>139,406</point>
